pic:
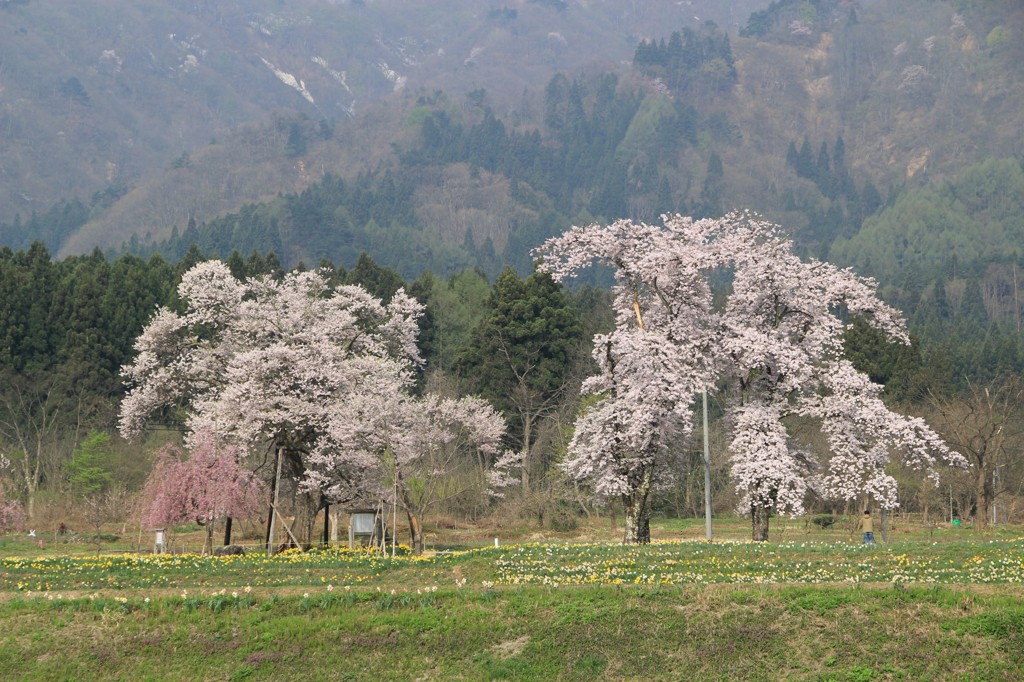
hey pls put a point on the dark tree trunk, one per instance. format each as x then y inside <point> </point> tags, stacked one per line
<point>983,495</point>
<point>415,530</point>
<point>227,531</point>
<point>759,518</point>
<point>415,533</point>
<point>637,527</point>
<point>270,514</point>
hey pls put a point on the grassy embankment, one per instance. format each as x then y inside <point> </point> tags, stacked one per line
<point>816,606</point>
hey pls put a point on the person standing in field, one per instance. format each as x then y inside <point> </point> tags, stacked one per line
<point>868,527</point>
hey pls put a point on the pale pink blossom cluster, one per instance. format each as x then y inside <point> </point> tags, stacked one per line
<point>264,361</point>
<point>726,304</point>
<point>389,436</point>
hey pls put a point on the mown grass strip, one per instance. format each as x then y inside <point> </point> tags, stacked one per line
<point>529,633</point>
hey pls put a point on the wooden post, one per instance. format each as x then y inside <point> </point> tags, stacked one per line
<point>327,523</point>
<point>636,307</point>
<point>287,528</point>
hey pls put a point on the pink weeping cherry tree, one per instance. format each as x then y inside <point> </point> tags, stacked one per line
<point>12,513</point>
<point>205,486</point>
<point>725,303</point>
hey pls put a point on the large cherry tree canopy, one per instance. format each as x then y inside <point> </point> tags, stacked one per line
<point>725,302</point>
<point>265,362</point>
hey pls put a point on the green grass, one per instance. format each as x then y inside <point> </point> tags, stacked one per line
<point>528,633</point>
<point>821,608</point>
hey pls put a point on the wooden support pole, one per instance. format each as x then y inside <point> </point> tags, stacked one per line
<point>286,528</point>
<point>327,524</point>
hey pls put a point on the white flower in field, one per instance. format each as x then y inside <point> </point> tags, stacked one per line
<point>305,595</point>
<point>248,589</point>
<point>330,588</point>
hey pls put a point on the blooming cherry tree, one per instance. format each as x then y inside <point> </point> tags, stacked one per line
<point>650,365</point>
<point>208,485</point>
<point>726,302</point>
<point>319,375</point>
<point>12,513</point>
<point>621,442</point>
<point>264,363</point>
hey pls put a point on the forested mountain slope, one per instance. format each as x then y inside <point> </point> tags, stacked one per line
<point>508,122</point>
<point>100,94</point>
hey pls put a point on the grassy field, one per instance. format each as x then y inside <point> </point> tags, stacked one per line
<point>816,605</point>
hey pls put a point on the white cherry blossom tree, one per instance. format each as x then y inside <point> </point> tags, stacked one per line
<point>265,363</point>
<point>726,303</point>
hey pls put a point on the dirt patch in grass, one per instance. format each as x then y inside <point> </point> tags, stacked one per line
<point>513,647</point>
<point>371,642</point>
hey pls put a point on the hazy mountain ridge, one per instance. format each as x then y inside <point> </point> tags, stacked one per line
<point>917,90</point>
<point>105,92</point>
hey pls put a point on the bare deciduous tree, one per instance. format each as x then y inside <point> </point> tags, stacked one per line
<point>984,425</point>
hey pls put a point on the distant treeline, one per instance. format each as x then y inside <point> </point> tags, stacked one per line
<point>690,58</point>
<point>71,323</point>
